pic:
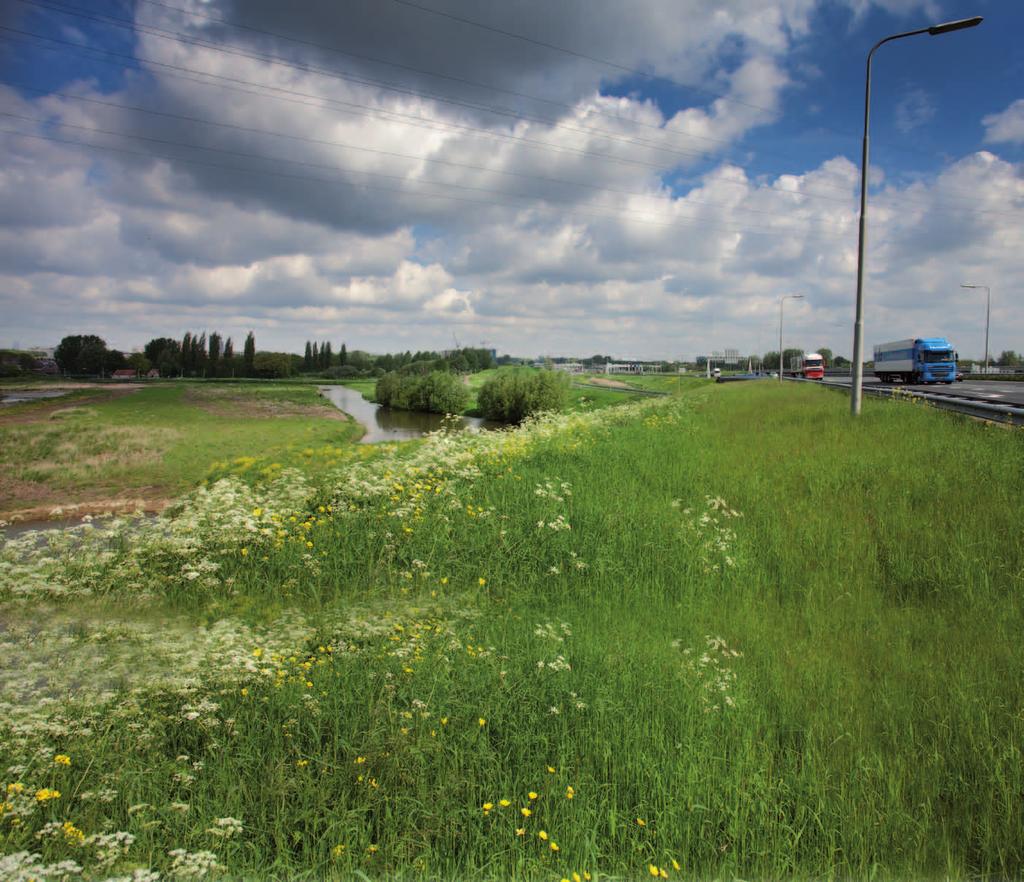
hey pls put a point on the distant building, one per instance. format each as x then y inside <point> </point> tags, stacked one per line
<point>124,374</point>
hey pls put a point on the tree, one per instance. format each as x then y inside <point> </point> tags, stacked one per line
<point>229,349</point>
<point>82,354</point>
<point>326,355</point>
<point>139,363</point>
<point>270,365</point>
<point>1008,358</point>
<point>214,350</point>
<point>307,359</point>
<point>826,354</point>
<point>249,353</point>
<point>343,357</point>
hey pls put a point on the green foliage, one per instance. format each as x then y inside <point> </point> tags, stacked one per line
<point>86,354</point>
<point>436,392</point>
<point>272,365</point>
<point>511,396</point>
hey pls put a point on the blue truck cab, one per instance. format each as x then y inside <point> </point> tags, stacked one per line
<point>920,360</point>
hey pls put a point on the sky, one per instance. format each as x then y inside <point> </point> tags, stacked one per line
<point>644,180</point>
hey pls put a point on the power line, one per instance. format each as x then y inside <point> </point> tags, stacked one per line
<point>377,151</point>
<point>681,219</point>
<point>305,68</point>
<point>291,95</point>
<point>898,148</point>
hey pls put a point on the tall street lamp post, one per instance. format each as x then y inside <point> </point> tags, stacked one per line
<point>988,311</point>
<point>782,300</point>
<point>858,325</point>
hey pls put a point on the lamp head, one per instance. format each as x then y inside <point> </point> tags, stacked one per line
<point>959,25</point>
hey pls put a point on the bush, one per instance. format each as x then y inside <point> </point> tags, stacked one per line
<point>437,392</point>
<point>511,396</point>
<point>342,372</point>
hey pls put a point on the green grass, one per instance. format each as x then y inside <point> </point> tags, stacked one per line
<point>159,441</point>
<point>790,650</point>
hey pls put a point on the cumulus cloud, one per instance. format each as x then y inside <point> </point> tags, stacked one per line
<point>1006,127</point>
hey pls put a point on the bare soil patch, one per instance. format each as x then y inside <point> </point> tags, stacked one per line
<point>55,511</point>
<point>233,404</point>
<point>611,384</point>
<point>33,412</point>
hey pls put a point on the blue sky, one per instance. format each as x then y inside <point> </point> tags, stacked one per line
<point>591,262</point>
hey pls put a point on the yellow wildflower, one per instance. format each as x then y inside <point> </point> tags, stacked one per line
<point>488,806</point>
<point>257,653</point>
<point>338,851</point>
<point>372,849</point>
<point>576,877</point>
<point>302,763</point>
<point>553,846</point>
<point>520,831</point>
<point>525,812</point>
<point>481,581</point>
<point>72,834</point>
<point>245,691</point>
<point>569,792</point>
<point>482,721</point>
<point>256,512</point>
<point>504,803</point>
<point>543,836</point>
<point>640,822</point>
<point>551,770</point>
<point>245,551</point>
<point>532,794</point>
<point>62,759</point>
<point>653,870</point>
<point>47,794</point>
<point>675,864</point>
<point>360,760</point>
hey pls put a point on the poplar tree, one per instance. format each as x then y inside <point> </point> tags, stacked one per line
<point>249,354</point>
<point>326,354</point>
<point>343,357</point>
<point>307,359</point>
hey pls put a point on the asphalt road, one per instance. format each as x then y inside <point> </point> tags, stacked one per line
<point>992,391</point>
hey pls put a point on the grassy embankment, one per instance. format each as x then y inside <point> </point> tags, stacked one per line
<point>733,633</point>
<point>107,443</point>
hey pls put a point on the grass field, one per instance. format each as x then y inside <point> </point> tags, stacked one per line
<point>153,443</point>
<point>727,634</point>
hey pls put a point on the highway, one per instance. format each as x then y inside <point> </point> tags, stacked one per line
<point>992,391</point>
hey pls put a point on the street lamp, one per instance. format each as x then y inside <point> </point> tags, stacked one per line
<point>858,325</point>
<point>988,310</point>
<point>782,300</point>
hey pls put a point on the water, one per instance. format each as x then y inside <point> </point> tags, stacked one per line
<point>386,424</point>
<point>21,396</point>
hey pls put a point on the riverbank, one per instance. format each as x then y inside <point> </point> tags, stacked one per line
<point>108,448</point>
<point>597,644</point>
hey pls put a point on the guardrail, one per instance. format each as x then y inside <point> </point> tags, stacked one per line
<point>982,410</point>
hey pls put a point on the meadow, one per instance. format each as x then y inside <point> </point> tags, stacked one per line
<point>724,634</point>
<point>103,445</point>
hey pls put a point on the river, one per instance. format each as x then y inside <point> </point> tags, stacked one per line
<point>18,396</point>
<point>388,424</point>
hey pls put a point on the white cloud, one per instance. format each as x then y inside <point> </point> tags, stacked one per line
<point>1006,127</point>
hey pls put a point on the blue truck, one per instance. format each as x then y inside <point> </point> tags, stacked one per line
<point>924,360</point>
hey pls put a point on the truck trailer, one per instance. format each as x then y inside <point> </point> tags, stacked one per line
<point>921,360</point>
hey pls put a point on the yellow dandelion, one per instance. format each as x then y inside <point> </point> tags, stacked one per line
<point>520,831</point>
<point>444,721</point>
<point>676,865</point>
<point>488,806</point>
<point>663,872</point>
<point>338,851</point>
<point>257,653</point>
<point>504,803</point>
<point>482,722</point>
<point>372,849</point>
<point>256,512</point>
<point>360,760</point>
<point>553,846</point>
<point>481,581</point>
<point>245,551</point>
<point>302,763</point>
<point>653,870</point>
<point>62,759</point>
<point>586,876</point>
<point>525,812</point>
<point>576,877</point>
<point>245,691</point>
<point>532,794</point>
<point>543,836</point>
<point>46,794</point>
<point>551,770</point>
<point>640,822</point>
<point>570,792</point>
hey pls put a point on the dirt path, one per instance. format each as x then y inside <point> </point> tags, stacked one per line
<point>55,511</point>
<point>611,384</point>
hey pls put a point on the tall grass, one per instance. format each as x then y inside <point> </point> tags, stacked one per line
<point>734,632</point>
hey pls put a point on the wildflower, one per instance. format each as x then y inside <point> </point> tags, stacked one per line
<point>302,763</point>
<point>256,512</point>
<point>481,581</point>
<point>482,722</point>
<point>675,865</point>
<point>72,834</point>
<point>360,760</point>
<point>525,812</point>
<point>337,851</point>
<point>444,721</point>
<point>244,552</point>
<point>504,803</point>
<point>551,770</point>
<point>553,846</point>
<point>62,759</point>
<point>372,849</point>
<point>46,794</point>
<point>576,877</point>
<point>257,653</point>
<point>488,806</point>
<point>653,870</point>
<point>640,822</point>
<point>543,836</point>
<point>520,831</point>
<point>569,792</point>
<point>245,691</point>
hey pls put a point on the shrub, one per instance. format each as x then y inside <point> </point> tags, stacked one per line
<point>341,372</point>
<point>511,396</point>
<point>437,392</point>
